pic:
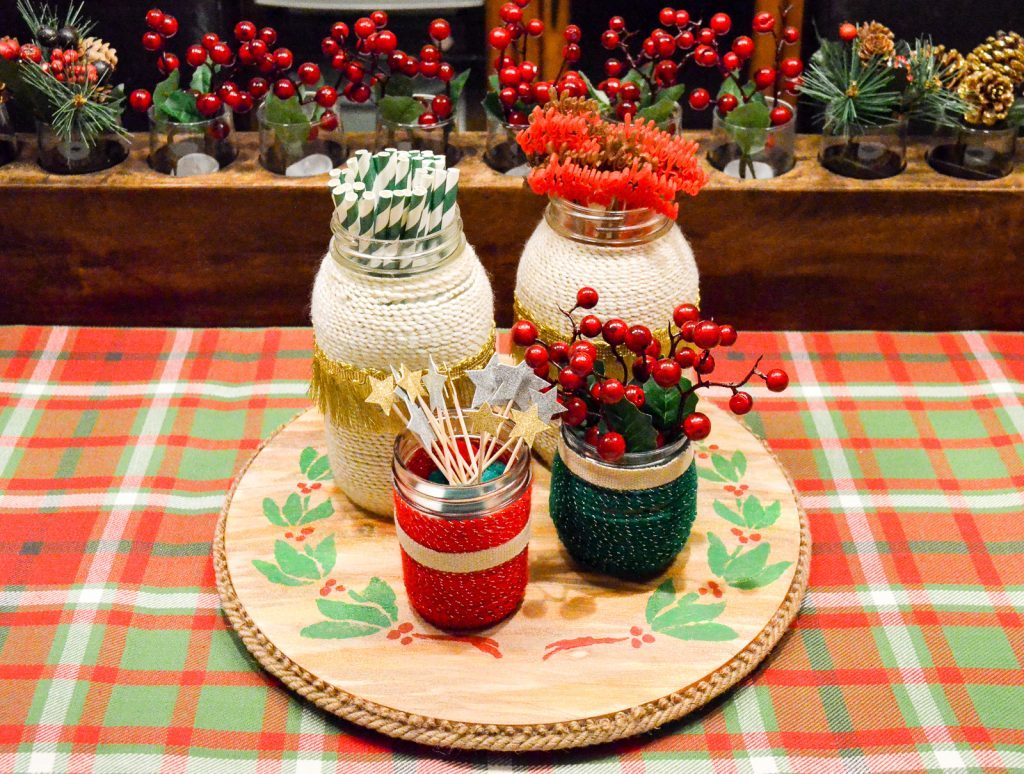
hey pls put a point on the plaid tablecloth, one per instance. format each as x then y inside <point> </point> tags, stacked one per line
<point>117,448</point>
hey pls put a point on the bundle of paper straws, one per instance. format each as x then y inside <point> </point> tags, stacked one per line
<point>394,195</point>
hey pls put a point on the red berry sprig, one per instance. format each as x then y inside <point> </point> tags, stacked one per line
<point>588,393</point>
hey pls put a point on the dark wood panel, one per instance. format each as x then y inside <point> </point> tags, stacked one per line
<point>807,251</point>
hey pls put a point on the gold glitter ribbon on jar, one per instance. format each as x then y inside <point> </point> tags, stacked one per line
<point>339,390</point>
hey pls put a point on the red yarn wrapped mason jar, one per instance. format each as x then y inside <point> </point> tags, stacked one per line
<point>464,547</point>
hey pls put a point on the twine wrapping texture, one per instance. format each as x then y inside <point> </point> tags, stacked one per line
<point>365,324</point>
<point>633,531</point>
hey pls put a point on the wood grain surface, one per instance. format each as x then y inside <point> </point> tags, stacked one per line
<point>581,646</point>
<point>810,250</point>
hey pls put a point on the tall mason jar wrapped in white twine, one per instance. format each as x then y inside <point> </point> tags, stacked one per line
<point>378,303</point>
<point>638,261</point>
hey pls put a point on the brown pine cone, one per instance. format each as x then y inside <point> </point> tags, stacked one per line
<point>950,64</point>
<point>875,39</point>
<point>98,50</point>
<point>1002,52</point>
<point>988,94</point>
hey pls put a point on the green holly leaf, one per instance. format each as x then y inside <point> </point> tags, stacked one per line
<point>718,555</point>
<point>763,578</point>
<point>293,563</point>
<point>322,511</point>
<point>378,593</point>
<point>273,513</point>
<point>595,93</point>
<point>729,514</point>
<point>711,632</point>
<point>746,565</point>
<point>180,106</point>
<point>458,85</point>
<point>346,611</point>
<point>662,404</point>
<point>274,574</point>
<point>202,79</point>
<point>635,426</point>
<point>662,597</point>
<point>493,106</point>
<point>324,555</point>
<point>292,510</point>
<point>400,110</point>
<point>708,475</point>
<point>337,630</point>
<point>399,85</point>
<point>664,105</point>
<point>729,86</point>
<point>756,516</point>
<point>286,111</point>
<point>166,88</point>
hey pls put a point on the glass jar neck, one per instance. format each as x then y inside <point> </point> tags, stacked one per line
<point>630,461</point>
<point>604,227</point>
<point>457,502</point>
<point>396,257</point>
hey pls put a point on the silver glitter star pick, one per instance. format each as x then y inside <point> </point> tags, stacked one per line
<point>547,404</point>
<point>484,382</point>
<point>419,424</point>
<point>509,382</point>
<point>528,389</point>
<point>435,382</point>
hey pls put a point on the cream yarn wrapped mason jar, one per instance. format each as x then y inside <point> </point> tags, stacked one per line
<point>383,303</point>
<point>638,261</point>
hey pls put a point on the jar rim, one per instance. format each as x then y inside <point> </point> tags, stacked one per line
<point>396,257</point>
<point>424,99</point>
<point>604,227</point>
<point>164,120</point>
<point>261,116</point>
<point>790,125</point>
<point>630,460</point>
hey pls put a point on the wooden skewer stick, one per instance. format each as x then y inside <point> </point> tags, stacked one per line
<point>474,469</point>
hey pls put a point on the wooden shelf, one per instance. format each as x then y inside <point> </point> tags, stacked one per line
<point>809,250</point>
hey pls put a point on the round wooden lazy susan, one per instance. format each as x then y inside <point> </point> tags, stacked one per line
<point>314,588</point>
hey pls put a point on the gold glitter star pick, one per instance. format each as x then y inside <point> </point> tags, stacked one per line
<point>382,393</point>
<point>412,383</point>
<point>484,420</point>
<point>528,425</point>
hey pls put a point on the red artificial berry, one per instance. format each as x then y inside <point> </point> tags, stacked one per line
<point>570,380</point>
<point>685,40</point>
<point>508,96</point>
<point>731,60</point>
<point>665,72</point>
<point>209,40</point>
<point>706,36</point>
<point>583,346</point>
<point>721,23</point>
<point>329,46</point>
<point>575,412</point>
<point>682,18</point>
<point>743,47</point>
<point>257,49</point>
<point>573,34</point>
<point>791,34</point>
<point>410,66</point>
<point>284,89</point>
<point>686,330</point>
<point>221,54</point>
<point>684,313</point>
<point>764,77</point>
<point>726,335</point>
<point>151,41</point>
<point>697,426</point>
<point>617,23</point>
<point>791,67</point>
<point>326,96</point>
<point>167,63</point>
<point>208,105</point>
<point>154,18</point>
<point>638,338</point>
<point>741,403</point>
<point>626,109</point>
<point>571,52</point>
<point>590,326</point>
<point>650,47</point>
<point>245,31</point>
<point>446,72</point>
<point>244,103</point>
<point>611,447</point>
<point>642,367</point>
<point>847,32</point>
<point>169,26</point>
<point>559,352</point>
<point>776,380</point>
<point>727,103</point>
<point>359,93</point>
<point>666,46</point>
<point>511,13</point>
<point>582,363</point>
<point>258,87</point>
<point>284,59</point>
<point>355,72</point>
<point>268,35</point>
<point>364,27</point>
<point>329,121</point>
<point>509,76</point>
<point>586,298</point>
<point>635,395</point>
<point>379,18</point>
<point>705,56</point>
<point>385,42</point>
<point>591,435</point>
<point>653,349</point>
<point>595,391</point>
<point>780,115</point>
<point>612,391</point>
<point>195,55</point>
<point>610,39</point>
<point>610,86</point>
<point>705,365</point>
<point>686,357</point>
<point>535,28</point>
<point>666,373</point>
<point>630,91</point>
<point>706,334</point>
<point>536,355</point>
<point>499,38</point>
<point>430,53</point>
<point>667,17</point>
<point>219,129</point>
<point>441,105</point>
<point>528,71</point>
<point>614,331</point>
<point>440,29</point>
<point>140,100</point>
<point>764,22</point>
<point>340,60</point>
<point>700,99</point>
<point>524,333</point>
<point>308,73</point>
<point>339,31</point>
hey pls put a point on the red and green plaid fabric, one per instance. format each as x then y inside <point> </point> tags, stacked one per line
<point>117,448</point>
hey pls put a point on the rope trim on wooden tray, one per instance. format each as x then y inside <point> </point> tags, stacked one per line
<point>504,738</point>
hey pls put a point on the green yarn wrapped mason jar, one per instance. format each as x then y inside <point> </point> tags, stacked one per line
<point>628,519</point>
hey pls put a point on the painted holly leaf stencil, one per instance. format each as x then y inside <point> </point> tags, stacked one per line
<point>743,569</point>
<point>725,469</point>
<point>296,511</point>
<point>750,513</point>
<point>369,611</point>
<point>684,617</point>
<point>292,567</point>
<point>314,465</point>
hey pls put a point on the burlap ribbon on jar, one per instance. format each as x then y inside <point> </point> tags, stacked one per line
<point>625,479</point>
<point>340,390</point>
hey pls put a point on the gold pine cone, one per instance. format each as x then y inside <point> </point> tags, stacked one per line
<point>1002,52</point>
<point>988,94</point>
<point>98,50</point>
<point>951,64</point>
<point>875,39</point>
